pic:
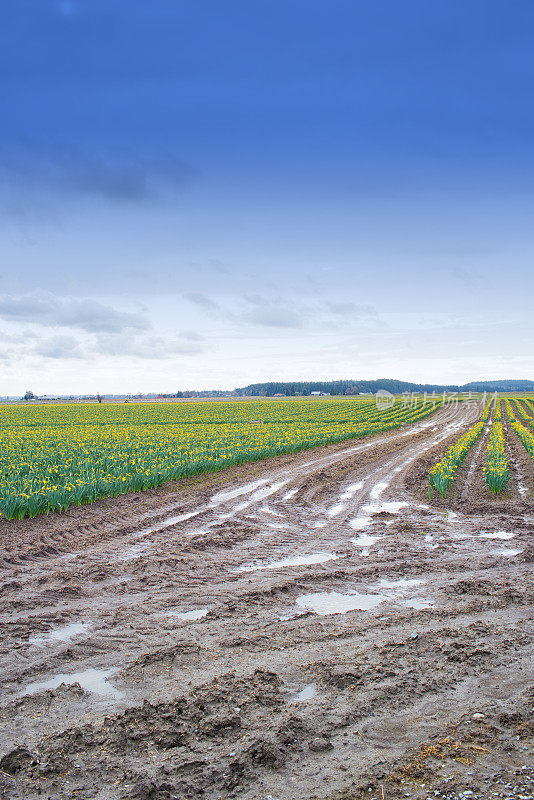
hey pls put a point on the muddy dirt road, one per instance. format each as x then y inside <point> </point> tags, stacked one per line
<point>305,627</point>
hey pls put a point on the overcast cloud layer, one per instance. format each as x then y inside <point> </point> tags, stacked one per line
<point>203,195</point>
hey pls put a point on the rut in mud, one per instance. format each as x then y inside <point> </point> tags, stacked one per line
<point>309,626</point>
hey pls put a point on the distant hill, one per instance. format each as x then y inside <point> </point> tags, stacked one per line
<point>304,388</point>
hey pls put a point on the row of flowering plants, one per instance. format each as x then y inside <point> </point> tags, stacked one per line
<point>496,468</point>
<point>525,434</point>
<point>523,413</point>
<point>442,474</point>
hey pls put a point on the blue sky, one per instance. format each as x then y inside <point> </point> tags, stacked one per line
<point>204,194</point>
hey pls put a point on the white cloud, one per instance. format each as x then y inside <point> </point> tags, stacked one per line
<point>59,347</point>
<point>45,308</point>
<point>202,301</point>
<point>154,347</point>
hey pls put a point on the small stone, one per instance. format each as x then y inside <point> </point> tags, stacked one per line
<point>478,715</point>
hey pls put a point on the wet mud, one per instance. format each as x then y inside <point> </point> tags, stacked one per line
<point>311,626</point>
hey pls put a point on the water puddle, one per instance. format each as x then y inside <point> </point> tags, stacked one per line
<point>186,616</point>
<point>377,490</point>
<point>63,634</point>
<point>296,561</point>
<point>391,507</point>
<point>359,523</point>
<point>325,603</point>
<point>290,494</point>
<point>167,523</point>
<point>365,540</point>
<point>267,510</point>
<point>460,535</point>
<point>305,694</point>
<point>509,552</point>
<point>92,680</point>
<point>334,511</point>
<point>260,494</point>
<point>260,489</point>
<point>522,489</point>
<point>497,535</point>
<point>398,588</point>
<point>223,497</point>
<point>370,510</point>
<point>351,490</point>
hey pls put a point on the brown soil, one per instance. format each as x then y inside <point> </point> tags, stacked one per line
<point>427,694</point>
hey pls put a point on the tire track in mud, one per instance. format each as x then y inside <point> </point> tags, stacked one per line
<point>446,630</point>
<point>474,459</point>
<point>519,477</point>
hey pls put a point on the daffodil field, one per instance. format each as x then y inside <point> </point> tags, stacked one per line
<point>525,434</point>
<point>442,473</point>
<point>55,456</point>
<point>496,468</point>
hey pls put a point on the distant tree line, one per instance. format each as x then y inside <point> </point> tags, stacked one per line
<point>305,388</point>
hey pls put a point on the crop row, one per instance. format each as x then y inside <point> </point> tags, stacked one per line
<point>525,434</point>
<point>496,468</point>
<point>442,474</point>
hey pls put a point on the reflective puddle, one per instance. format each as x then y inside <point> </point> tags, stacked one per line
<point>359,523</point>
<point>509,552</point>
<point>257,490</point>
<point>305,694</point>
<point>290,494</point>
<point>267,510</point>
<point>169,522</point>
<point>295,561</point>
<point>335,510</point>
<point>186,616</point>
<point>370,510</point>
<point>351,490</point>
<point>223,497</point>
<point>63,634</point>
<point>377,490</point>
<point>391,507</point>
<point>366,540</point>
<point>92,680</point>
<point>324,603</point>
<point>498,535</point>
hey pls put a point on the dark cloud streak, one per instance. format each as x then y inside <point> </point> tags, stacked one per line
<point>45,308</point>
<point>114,175</point>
